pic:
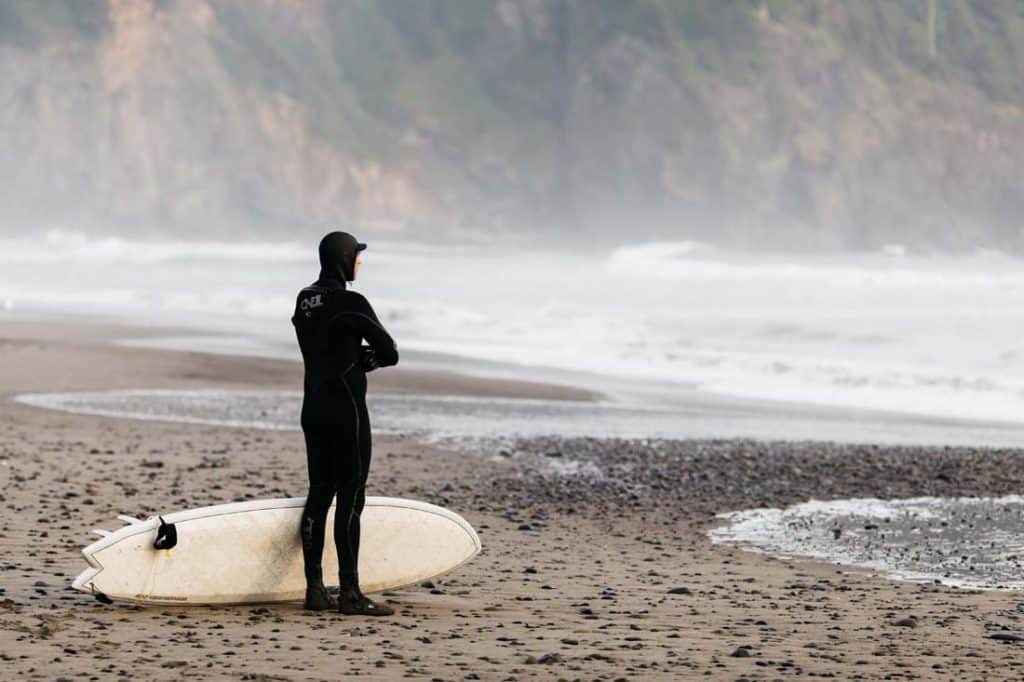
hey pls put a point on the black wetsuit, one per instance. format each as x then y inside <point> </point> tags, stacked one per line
<point>331,323</point>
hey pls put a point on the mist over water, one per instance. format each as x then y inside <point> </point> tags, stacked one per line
<point>933,336</point>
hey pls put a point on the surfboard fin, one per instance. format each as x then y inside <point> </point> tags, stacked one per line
<point>100,597</point>
<point>166,535</point>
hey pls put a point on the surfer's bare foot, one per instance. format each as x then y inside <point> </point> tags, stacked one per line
<point>317,599</point>
<point>355,604</point>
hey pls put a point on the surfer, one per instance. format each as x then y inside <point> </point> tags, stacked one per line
<point>331,323</point>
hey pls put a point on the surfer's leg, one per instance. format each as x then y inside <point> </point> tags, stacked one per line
<point>353,601</point>
<point>349,480</point>
<point>344,516</point>
<point>365,449</point>
<point>320,457</point>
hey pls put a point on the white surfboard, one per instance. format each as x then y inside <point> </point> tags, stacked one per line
<point>250,552</point>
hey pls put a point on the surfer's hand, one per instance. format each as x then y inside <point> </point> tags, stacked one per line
<point>368,361</point>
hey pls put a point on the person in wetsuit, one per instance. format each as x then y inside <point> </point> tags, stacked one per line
<point>331,323</point>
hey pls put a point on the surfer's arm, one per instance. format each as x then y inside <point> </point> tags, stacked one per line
<point>361,319</point>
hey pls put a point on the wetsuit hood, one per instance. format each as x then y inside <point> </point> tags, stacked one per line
<point>330,279</point>
<point>338,252</point>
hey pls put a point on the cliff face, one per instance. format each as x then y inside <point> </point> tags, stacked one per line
<point>813,122</point>
<point>156,122</point>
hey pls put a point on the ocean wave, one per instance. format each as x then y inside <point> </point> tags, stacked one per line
<point>61,246</point>
<point>698,262</point>
<point>896,333</point>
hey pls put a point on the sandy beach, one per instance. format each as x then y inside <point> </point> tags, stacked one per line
<point>602,570</point>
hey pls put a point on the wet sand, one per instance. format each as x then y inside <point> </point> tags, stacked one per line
<point>596,563</point>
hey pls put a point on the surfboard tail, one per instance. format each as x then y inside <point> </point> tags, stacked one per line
<point>84,580</point>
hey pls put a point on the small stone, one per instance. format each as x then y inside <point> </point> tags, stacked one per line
<point>1006,637</point>
<point>741,652</point>
<point>906,622</point>
<point>680,590</point>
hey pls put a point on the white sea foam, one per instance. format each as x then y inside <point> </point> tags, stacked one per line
<point>432,416</point>
<point>966,542</point>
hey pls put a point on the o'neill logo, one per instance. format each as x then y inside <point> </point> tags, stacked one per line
<point>308,304</point>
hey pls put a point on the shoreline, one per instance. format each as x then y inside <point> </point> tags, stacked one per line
<point>599,572</point>
<point>141,367</point>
